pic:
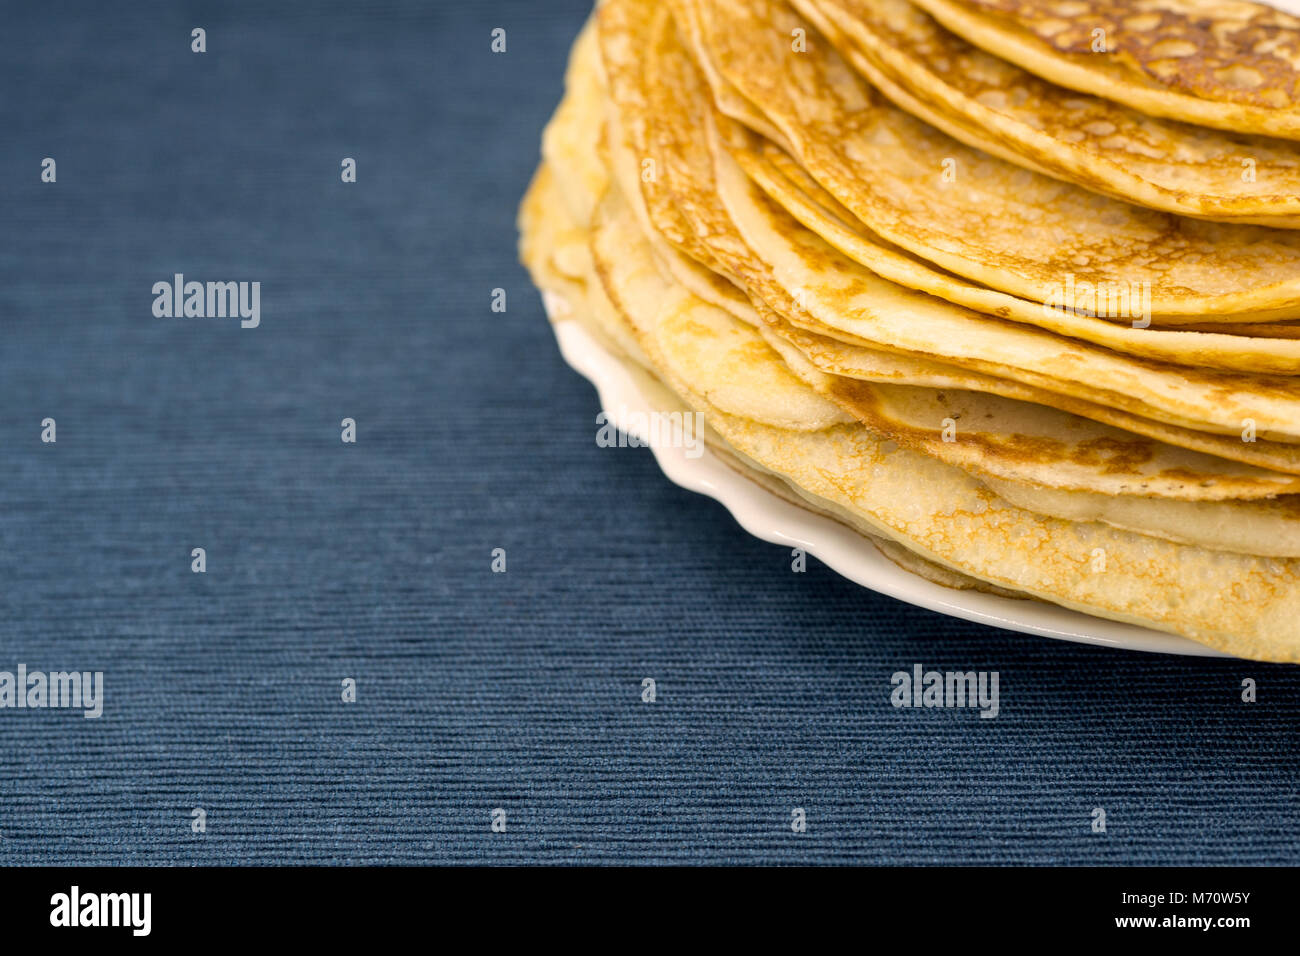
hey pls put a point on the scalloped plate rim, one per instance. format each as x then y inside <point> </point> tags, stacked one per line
<point>846,552</point>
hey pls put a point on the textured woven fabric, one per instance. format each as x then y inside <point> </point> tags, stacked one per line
<point>372,561</point>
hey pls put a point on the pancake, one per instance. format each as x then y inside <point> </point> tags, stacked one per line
<point>1219,63</point>
<point>1217,348</point>
<point>997,107</point>
<point>895,552</point>
<point>1268,528</point>
<point>861,363</point>
<point>783,179</point>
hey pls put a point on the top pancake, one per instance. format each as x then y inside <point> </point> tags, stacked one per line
<point>1220,63</point>
<point>994,105</point>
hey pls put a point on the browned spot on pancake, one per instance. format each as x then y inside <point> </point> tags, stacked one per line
<point>1113,456</point>
<point>1183,474</point>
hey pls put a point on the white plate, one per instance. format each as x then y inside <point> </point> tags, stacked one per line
<point>766,516</point>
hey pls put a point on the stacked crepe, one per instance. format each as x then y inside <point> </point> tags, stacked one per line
<point>1011,287</point>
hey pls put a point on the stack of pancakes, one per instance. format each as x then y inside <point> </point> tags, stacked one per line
<point>1010,286</point>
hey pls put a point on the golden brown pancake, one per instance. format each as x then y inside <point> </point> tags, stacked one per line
<point>995,106</point>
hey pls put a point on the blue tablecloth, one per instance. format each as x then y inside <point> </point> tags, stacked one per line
<point>372,561</point>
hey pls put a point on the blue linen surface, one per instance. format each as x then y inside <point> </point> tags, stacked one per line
<point>371,561</point>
